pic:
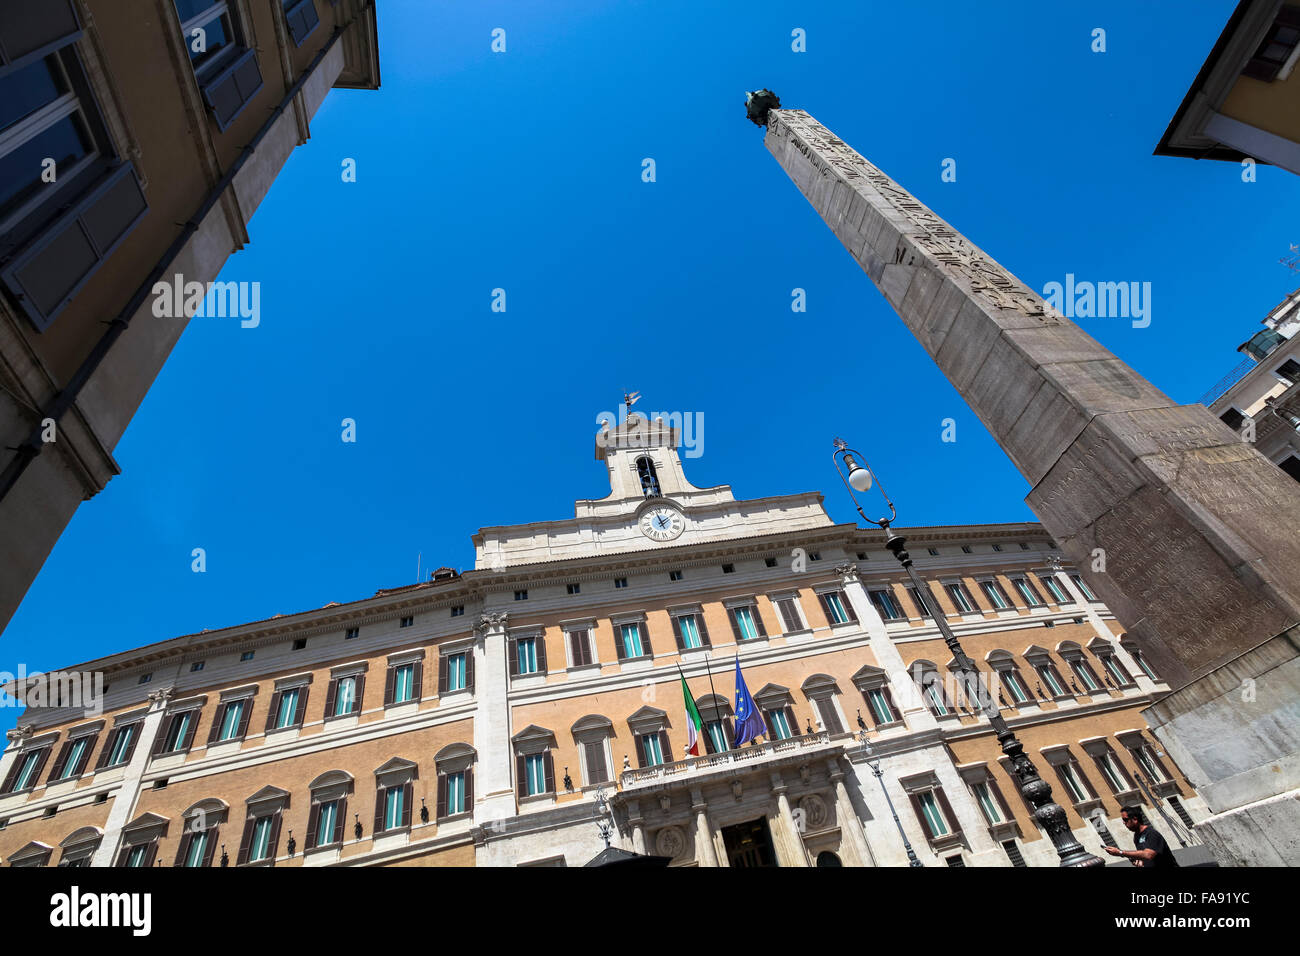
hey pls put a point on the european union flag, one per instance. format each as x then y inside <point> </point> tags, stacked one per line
<point>749,722</point>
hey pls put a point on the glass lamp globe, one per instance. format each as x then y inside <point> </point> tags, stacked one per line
<point>859,478</point>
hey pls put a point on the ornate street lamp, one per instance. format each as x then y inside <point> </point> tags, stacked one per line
<point>1035,789</point>
<point>874,763</point>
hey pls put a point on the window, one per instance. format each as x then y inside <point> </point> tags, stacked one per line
<point>1111,770</point>
<point>179,733</point>
<point>580,647</point>
<point>121,745</point>
<point>960,597</point>
<point>965,549</point>
<point>300,644</point>
<point>457,610</point>
<point>574,588</point>
<point>73,757</point>
<point>139,855</point>
<point>1010,677</point>
<point>230,722</point>
<point>406,622</point>
<point>1028,592</point>
<point>452,793</point>
<point>690,631</point>
<point>301,18</point>
<point>1288,371</point>
<point>526,653</point>
<point>997,547</point>
<point>394,807</point>
<point>405,678</point>
<point>745,622</point>
<point>932,809</point>
<point>145,678</point>
<point>716,732</point>
<point>988,804</point>
<point>788,607</point>
<point>1051,679</point>
<point>932,690</point>
<point>1146,759</point>
<point>1087,676</point>
<point>198,843</point>
<point>881,705</point>
<point>535,767</point>
<point>1083,588</point>
<point>862,555</point>
<point>351,633</point>
<point>919,600</point>
<point>1277,46</point>
<point>1075,783</point>
<point>327,827</point>
<point>455,671</point>
<point>1054,588</point>
<point>652,749</point>
<point>674,575</point>
<point>593,752</point>
<point>1024,546</point>
<point>196,666</point>
<point>837,607</point>
<point>344,695</point>
<point>246,656</point>
<point>630,641</point>
<point>884,602</point>
<point>521,595</point>
<point>934,552</point>
<point>781,724</point>
<point>769,562</point>
<point>620,582</point>
<point>997,597</point>
<point>1113,667</point>
<point>1013,853</point>
<point>1140,659</point>
<point>814,555</point>
<point>728,568</point>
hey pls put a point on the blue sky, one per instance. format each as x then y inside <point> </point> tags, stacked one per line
<point>522,170</point>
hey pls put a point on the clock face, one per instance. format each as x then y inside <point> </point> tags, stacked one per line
<point>662,523</point>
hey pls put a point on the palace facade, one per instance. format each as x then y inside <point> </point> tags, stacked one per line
<point>507,714</point>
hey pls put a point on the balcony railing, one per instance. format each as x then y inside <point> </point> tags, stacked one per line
<point>741,756</point>
<point>1229,380</point>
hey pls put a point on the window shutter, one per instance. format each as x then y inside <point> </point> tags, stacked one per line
<point>735,625</point>
<point>1083,778</point>
<point>580,648</point>
<point>57,770</point>
<point>12,777</point>
<point>889,697</point>
<point>548,763</point>
<point>301,713</point>
<point>380,794</point>
<point>151,853</point>
<point>417,681</point>
<point>469,670</point>
<point>51,269</point>
<point>389,684</point>
<point>183,850</point>
<point>107,752</point>
<point>521,775</point>
<point>246,840</point>
<point>164,731</point>
<point>704,631</point>
<point>340,819</point>
<point>442,796</point>
<point>275,836</point>
<point>619,647</point>
<point>677,632</point>
<point>830,719</point>
<point>359,693</point>
<point>640,750</point>
<point>596,770</point>
<point>997,795</point>
<point>512,653</point>
<point>1160,764</point>
<point>826,608</point>
<point>771,724</point>
<point>301,19</point>
<point>33,29</point>
<point>211,848</point>
<point>313,825</point>
<point>469,789</point>
<point>848,607</point>
<point>230,90</point>
<point>246,713</point>
<point>947,810</point>
<point>794,724</point>
<point>274,710</point>
<point>758,621</point>
<point>540,644</point>
<point>331,695</point>
<point>920,816</point>
<point>442,674</point>
<point>217,717</point>
<point>408,793</point>
<point>188,740</point>
<point>122,854</point>
<point>788,617</point>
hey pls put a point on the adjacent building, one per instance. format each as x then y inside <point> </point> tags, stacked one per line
<point>1260,398</point>
<point>499,716</point>
<point>1245,101</point>
<point>137,139</point>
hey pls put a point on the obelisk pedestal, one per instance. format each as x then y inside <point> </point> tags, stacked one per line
<point>1196,533</point>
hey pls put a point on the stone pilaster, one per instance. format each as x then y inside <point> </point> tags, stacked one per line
<point>852,837</point>
<point>788,839</point>
<point>705,854</point>
<point>128,793</point>
<point>493,768</point>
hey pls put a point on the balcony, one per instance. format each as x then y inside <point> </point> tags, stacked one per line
<point>743,760</point>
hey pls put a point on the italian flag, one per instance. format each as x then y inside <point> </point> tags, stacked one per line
<point>694,726</point>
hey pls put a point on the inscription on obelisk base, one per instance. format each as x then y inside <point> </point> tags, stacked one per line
<point>1201,533</point>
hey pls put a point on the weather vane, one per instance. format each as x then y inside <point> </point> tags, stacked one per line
<point>630,399</point>
<point>1292,261</point>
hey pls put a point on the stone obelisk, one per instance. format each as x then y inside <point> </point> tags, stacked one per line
<point>1196,535</point>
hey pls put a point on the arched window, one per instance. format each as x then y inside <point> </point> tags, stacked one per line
<point>827,858</point>
<point>645,469</point>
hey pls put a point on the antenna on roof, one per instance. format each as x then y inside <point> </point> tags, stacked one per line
<point>417,566</point>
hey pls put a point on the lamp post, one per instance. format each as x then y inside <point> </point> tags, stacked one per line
<point>874,763</point>
<point>1036,790</point>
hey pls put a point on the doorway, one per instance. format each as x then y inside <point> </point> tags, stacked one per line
<point>749,844</point>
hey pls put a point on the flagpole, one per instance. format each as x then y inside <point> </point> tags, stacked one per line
<point>716,712</point>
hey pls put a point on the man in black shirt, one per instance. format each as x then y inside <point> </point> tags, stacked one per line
<point>1151,848</point>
